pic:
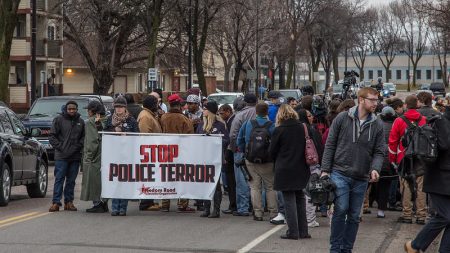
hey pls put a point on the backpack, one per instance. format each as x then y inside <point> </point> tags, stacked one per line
<point>311,156</point>
<point>420,143</point>
<point>257,149</point>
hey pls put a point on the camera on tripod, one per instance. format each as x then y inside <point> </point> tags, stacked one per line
<point>349,79</point>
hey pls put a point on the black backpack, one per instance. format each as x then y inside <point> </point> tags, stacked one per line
<point>257,149</point>
<point>420,143</point>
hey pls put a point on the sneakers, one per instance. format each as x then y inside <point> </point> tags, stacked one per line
<point>278,220</point>
<point>409,248</point>
<point>187,209</point>
<point>69,206</point>
<point>313,224</point>
<point>54,208</point>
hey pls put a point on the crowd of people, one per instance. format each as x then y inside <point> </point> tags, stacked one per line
<point>271,149</point>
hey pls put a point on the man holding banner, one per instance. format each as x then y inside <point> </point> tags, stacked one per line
<point>176,123</point>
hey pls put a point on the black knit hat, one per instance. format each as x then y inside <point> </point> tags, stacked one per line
<point>250,98</point>
<point>212,106</point>
<point>120,101</point>
<point>150,102</point>
<point>71,102</point>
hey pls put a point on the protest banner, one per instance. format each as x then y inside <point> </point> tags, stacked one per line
<point>160,166</point>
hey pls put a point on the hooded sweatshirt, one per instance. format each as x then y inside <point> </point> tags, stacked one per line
<point>396,149</point>
<point>353,147</point>
<point>67,137</point>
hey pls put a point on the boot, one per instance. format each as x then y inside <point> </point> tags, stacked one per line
<point>207,209</point>
<point>69,207</point>
<point>54,208</point>
<point>217,201</point>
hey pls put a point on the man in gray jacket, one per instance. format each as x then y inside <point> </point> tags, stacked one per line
<point>354,153</point>
<point>242,187</point>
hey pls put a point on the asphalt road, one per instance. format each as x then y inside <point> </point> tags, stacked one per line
<point>27,226</point>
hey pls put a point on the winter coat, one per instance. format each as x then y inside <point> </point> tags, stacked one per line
<point>247,113</point>
<point>67,136</point>
<point>428,112</point>
<point>246,131</point>
<point>134,110</point>
<point>388,121</point>
<point>175,122</point>
<point>352,149</point>
<point>437,178</point>
<point>218,128</point>
<point>148,122</point>
<point>396,149</point>
<point>91,184</point>
<point>273,110</point>
<point>287,148</point>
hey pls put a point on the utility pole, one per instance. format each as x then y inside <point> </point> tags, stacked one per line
<point>33,51</point>
<point>190,46</point>
<point>257,48</point>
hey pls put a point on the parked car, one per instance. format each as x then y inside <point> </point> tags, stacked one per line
<point>45,109</point>
<point>225,97</point>
<point>23,160</point>
<point>392,88</point>
<point>438,89</point>
<point>295,93</point>
<point>424,86</point>
<point>106,100</point>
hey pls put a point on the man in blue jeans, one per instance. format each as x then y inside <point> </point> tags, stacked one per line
<point>242,187</point>
<point>354,153</point>
<point>66,137</point>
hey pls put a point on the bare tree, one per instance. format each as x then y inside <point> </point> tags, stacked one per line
<point>440,45</point>
<point>8,21</point>
<point>387,40</point>
<point>415,30</point>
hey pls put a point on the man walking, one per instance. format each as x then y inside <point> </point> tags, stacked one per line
<point>251,136</point>
<point>354,152</point>
<point>66,136</point>
<point>148,123</point>
<point>242,188</point>
<point>396,155</point>
<point>175,122</point>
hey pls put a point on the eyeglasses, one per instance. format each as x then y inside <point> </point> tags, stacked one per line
<point>373,100</point>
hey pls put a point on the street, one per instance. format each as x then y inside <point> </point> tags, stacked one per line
<point>26,225</point>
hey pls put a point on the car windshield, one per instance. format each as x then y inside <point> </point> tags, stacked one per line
<point>437,86</point>
<point>223,99</point>
<point>388,85</point>
<point>289,93</point>
<point>51,108</point>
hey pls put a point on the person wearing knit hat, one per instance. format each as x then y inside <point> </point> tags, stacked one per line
<point>194,111</point>
<point>149,123</point>
<point>250,98</point>
<point>213,124</point>
<point>120,101</point>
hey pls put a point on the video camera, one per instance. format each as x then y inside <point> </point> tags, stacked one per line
<point>321,190</point>
<point>349,79</point>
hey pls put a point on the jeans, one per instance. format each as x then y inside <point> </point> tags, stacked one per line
<point>347,207</point>
<point>437,223</point>
<point>242,187</point>
<point>65,171</point>
<point>281,203</point>
<point>119,205</point>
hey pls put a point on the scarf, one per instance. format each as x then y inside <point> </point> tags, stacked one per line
<point>119,120</point>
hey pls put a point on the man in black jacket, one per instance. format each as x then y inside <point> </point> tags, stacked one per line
<point>425,105</point>
<point>66,136</point>
<point>437,183</point>
<point>354,153</point>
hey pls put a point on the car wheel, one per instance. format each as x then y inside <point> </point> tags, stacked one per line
<point>5,184</point>
<point>39,188</point>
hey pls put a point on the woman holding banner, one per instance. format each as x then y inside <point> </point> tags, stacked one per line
<point>213,124</point>
<point>120,121</point>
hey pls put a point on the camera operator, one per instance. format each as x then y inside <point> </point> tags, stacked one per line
<point>349,80</point>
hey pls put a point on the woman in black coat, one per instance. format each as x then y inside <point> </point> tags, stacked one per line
<point>291,172</point>
<point>436,182</point>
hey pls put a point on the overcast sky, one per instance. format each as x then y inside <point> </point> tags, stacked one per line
<point>377,2</point>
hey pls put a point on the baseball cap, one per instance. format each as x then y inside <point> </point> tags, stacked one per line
<point>274,94</point>
<point>174,98</point>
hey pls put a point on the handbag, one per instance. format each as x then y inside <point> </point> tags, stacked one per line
<point>311,155</point>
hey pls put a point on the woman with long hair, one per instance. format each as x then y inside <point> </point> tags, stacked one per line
<point>291,171</point>
<point>120,121</point>
<point>213,124</point>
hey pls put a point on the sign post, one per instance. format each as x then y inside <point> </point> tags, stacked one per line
<point>152,79</point>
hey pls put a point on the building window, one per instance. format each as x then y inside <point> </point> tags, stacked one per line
<point>399,74</point>
<point>428,74</point>
<point>20,29</point>
<point>51,32</point>
<point>370,74</point>
<point>439,74</point>
<point>380,73</point>
<point>418,74</point>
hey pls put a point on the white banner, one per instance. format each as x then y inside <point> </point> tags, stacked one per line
<point>160,166</point>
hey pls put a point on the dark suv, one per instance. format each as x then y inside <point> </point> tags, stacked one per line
<point>23,160</point>
<point>45,109</point>
<point>438,89</point>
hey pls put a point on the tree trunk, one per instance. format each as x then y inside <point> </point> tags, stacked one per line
<point>291,65</point>
<point>226,84</point>
<point>200,72</point>
<point>444,72</point>
<point>103,79</point>
<point>336,66</point>
<point>414,73</point>
<point>152,38</point>
<point>8,21</point>
<point>281,74</point>
<point>237,74</point>
<point>387,68</point>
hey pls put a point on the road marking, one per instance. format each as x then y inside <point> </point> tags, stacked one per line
<point>259,239</point>
<point>21,218</point>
